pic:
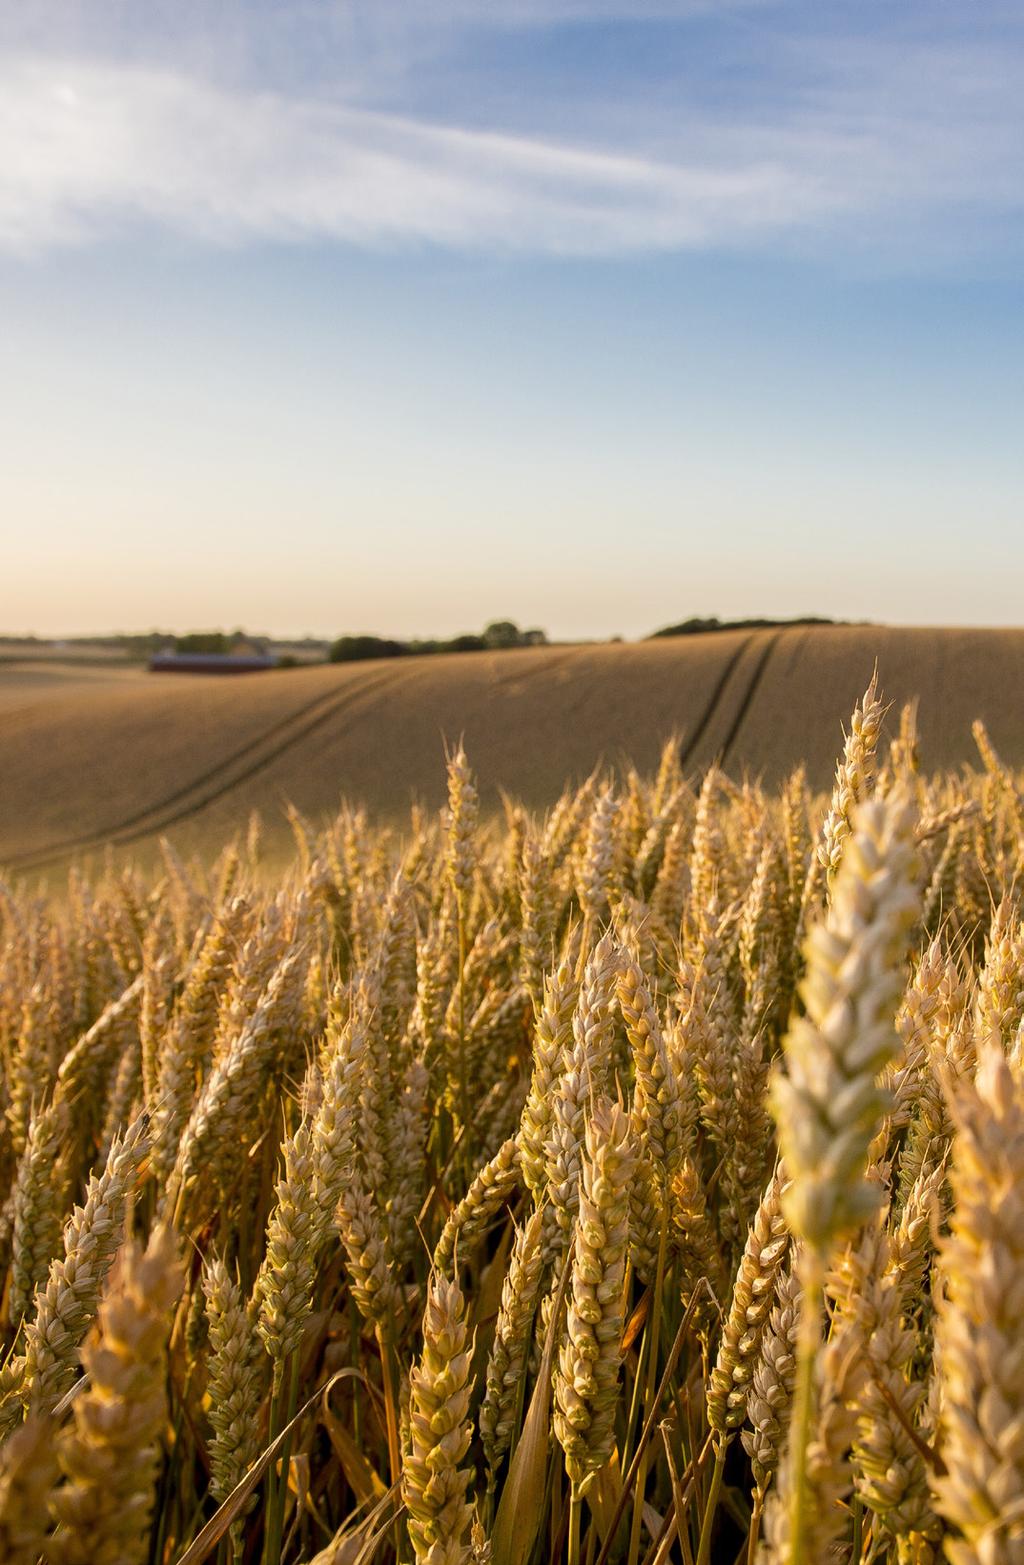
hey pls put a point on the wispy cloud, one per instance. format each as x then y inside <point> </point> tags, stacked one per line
<point>90,147</point>
<point>855,144</point>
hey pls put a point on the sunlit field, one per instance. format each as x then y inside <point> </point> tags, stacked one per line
<point>636,1180</point>
<point>107,754</point>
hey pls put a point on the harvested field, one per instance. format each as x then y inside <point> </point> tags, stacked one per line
<point>94,755</point>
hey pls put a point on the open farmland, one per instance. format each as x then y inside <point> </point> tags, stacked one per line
<point>639,1180</point>
<point>92,755</point>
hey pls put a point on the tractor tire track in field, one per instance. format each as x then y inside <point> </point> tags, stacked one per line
<point>163,814</point>
<point>107,833</point>
<point>757,674</point>
<point>693,740</point>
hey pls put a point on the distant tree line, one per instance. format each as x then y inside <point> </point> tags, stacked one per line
<point>145,643</point>
<point>346,649</point>
<point>695,627</point>
<point>497,635</point>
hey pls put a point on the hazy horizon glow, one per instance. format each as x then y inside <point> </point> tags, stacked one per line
<point>338,317</point>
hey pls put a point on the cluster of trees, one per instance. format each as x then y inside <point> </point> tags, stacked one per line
<point>499,634</point>
<point>695,627</point>
<point>145,643</point>
<point>208,641</point>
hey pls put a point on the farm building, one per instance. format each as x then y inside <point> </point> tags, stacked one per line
<point>244,657</point>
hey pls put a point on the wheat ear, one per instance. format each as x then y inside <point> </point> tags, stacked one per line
<point>434,1479</point>
<point>110,1456</point>
<point>586,1379</point>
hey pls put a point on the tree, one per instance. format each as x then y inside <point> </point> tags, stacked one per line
<point>355,649</point>
<point>502,633</point>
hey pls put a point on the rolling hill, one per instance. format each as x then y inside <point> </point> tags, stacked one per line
<point>96,756</point>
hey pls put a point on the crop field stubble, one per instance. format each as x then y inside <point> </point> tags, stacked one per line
<point>637,1180</point>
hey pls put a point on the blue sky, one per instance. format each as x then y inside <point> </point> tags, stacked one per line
<point>403,316</point>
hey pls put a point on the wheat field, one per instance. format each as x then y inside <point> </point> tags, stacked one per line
<point>106,755</point>
<point>637,1180</point>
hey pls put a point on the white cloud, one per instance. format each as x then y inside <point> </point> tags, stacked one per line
<point>859,148</point>
<point>88,147</point>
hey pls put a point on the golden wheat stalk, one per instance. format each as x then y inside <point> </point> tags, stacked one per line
<point>110,1456</point>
